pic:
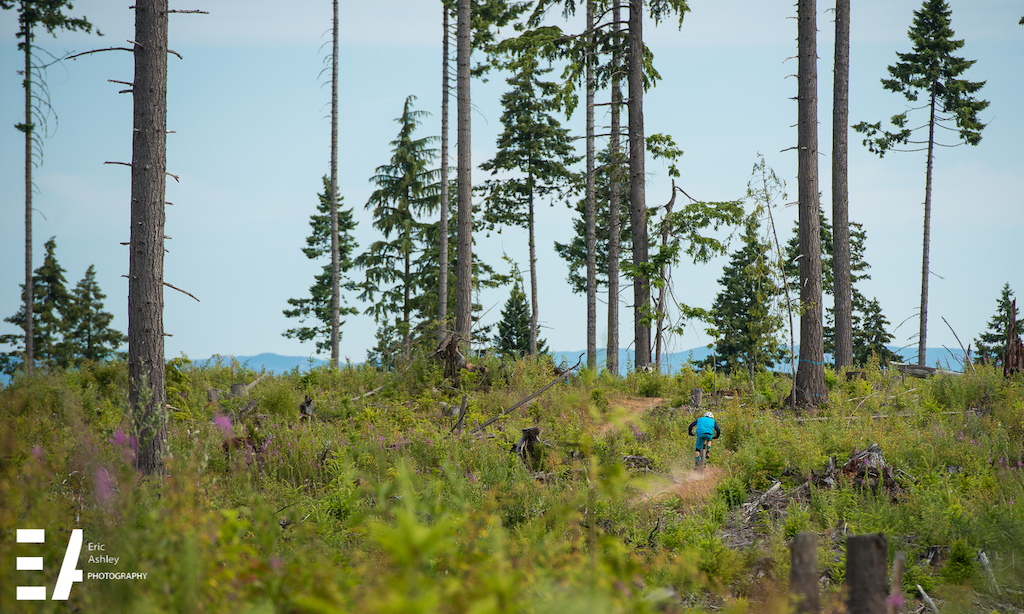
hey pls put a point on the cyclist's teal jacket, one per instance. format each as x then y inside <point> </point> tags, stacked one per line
<point>706,427</point>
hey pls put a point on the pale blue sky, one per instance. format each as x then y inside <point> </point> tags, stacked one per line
<point>252,140</point>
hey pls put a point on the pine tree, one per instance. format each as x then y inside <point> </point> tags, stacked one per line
<point>405,188</point>
<point>70,327</point>
<point>49,306</point>
<point>870,334</point>
<point>513,338</point>
<point>316,308</point>
<point>535,146</point>
<point>87,334</point>
<point>745,318</point>
<point>929,70</point>
<point>991,344</point>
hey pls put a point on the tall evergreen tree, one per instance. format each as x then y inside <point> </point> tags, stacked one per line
<point>745,317</point>
<point>87,332</point>
<point>49,307</point>
<point>991,344</point>
<point>49,15</point>
<point>406,188</point>
<point>538,149</point>
<point>929,70</point>
<point>314,312</point>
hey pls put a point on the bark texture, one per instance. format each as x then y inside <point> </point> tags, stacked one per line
<point>614,199</point>
<point>842,290</point>
<point>335,243</point>
<point>591,204</point>
<point>442,285</point>
<point>147,394</point>
<point>922,339</point>
<point>30,358</point>
<point>810,375</point>
<point>637,198</point>
<point>464,249</point>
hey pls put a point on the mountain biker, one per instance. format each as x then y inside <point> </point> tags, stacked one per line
<point>707,429</point>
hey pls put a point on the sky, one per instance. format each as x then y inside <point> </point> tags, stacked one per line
<point>249,104</point>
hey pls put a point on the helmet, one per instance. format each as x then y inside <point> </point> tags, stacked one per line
<point>708,414</point>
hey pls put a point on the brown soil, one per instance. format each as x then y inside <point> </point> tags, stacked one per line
<point>690,486</point>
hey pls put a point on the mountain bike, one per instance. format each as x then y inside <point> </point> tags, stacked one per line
<point>701,460</point>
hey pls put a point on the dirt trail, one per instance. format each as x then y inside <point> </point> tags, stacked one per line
<point>680,479</point>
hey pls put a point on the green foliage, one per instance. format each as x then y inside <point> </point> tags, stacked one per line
<point>745,320</point>
<point>316,308</point>
<point>513,338</point>
<point>991,344</point>
<point>869,326</point>
<point>406,188</point>
<point>69,328</point>
<point>930,69</point>
<point>375,505</point>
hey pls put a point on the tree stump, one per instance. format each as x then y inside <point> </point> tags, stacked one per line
<point>865,573</point>
<point>696,396</point>
<point>803,573</point>
<point>527,447</point>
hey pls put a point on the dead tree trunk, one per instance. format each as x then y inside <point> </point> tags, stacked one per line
<point>637,195</point>
<point>335,242</point>
<point>464,252</point>
<point>810,375</point>
<point>614,200</point>
<point>591,205</point>
<point>841,285</point>
<point>442,273</point>
<point>146,391</point>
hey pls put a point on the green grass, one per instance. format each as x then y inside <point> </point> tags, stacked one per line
<point>377,506</point>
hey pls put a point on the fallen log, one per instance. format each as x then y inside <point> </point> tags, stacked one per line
<point>921,371</point>
<point>529,398</point>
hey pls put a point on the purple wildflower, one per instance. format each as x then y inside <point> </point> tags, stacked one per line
<point>103,486</point>
<point>223,423</point>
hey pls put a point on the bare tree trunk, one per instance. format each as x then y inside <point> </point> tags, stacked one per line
<point>922,339</point>
<point>663,290</point>
<point>841,291</point>
<point>30,292</point>
<point>442,273</point>
<point>464,250</point>
<point>533,272</point>
<point>406,283</point>
<point>146,391</point>
<point>591,205</point>
<point>335,243</point>
<point>637,197</point>
<point>614,200</point>
<point>810,375</point>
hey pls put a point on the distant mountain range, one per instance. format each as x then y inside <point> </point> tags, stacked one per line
<point>670,363</point>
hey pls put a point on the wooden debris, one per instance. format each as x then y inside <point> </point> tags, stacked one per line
<point>528,399</point>
<point>640,463</point>
<point>921,371</point>
<point>306,409</point>
<point>527,447</point>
